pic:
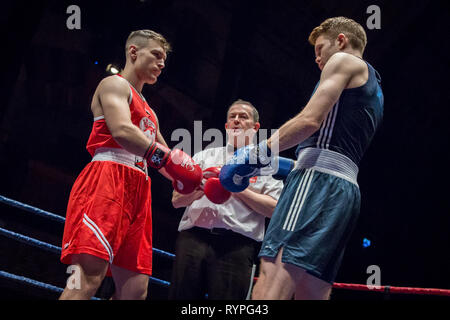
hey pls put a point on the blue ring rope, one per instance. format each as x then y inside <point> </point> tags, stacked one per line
<point>51,248</point>
<point>30,241</point>
<point>26,207</point>
<point>58,218</point>
<point>34,283</point>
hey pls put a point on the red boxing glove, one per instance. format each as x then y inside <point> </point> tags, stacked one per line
<point>187,176</point>
<point>212,172</point>
<point>213,188</point>
<point>157,155</point>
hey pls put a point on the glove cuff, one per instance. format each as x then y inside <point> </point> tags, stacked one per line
<point>157,155</point>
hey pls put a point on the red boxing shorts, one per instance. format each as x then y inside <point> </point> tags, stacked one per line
<point>109,216</point>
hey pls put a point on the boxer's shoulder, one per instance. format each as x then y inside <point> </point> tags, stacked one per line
<point>349,63</point>
<point>113,84</point>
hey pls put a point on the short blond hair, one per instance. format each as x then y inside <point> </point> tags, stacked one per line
<point>141,37</point>
<point>332,27</point>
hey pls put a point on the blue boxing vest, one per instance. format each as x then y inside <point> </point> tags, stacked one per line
<point>352,122</point>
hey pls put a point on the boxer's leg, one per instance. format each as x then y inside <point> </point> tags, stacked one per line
<point>312,288</point>
<point>92,272</point>
<point>277,280</point>
<point>129,285</point>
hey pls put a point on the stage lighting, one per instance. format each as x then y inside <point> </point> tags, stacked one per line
<point>112,69</point>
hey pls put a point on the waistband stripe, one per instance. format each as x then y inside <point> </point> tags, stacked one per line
<point>329,162</point>
<point>120,156</point>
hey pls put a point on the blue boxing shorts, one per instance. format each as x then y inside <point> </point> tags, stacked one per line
<point>316,213</point>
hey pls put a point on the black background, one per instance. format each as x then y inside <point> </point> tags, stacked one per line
<point>225,50</point>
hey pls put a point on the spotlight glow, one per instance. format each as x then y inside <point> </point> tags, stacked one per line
<point>112,69</point>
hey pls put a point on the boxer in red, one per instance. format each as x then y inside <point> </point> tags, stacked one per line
<point>108,222</point>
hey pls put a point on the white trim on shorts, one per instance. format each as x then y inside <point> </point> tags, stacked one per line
<point>98,233</point>
<point>299,200</point>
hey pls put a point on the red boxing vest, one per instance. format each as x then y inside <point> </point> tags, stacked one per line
<point>142,116</point>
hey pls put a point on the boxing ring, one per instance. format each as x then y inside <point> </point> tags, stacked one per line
<point>24,281</point>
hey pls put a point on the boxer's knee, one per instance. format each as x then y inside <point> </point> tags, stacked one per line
<point>91,271</point>
<point>313,288</point>
<point>129,285</point>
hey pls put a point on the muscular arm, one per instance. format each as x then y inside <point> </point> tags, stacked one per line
<point>336,75</point>
<point>261,203</point>
<point>113,94</point>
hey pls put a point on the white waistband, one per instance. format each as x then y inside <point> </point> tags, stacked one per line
<point>120,156</point>
<point>328,161</point>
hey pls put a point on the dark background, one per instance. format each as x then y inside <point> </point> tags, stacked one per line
<point>224,50</point>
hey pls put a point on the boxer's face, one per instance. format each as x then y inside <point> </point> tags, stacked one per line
<point>149,61</point>
<point>324,48</point>
<point>240,125</point>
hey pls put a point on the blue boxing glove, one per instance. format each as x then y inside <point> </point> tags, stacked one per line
<point>236,178</point>
<point>246,163</point>
<point>279,169</point>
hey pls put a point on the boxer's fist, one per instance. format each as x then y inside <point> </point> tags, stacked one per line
<point>187,175</point>
<point>236,178</point>
<point>279,169</point>
<point>213,189</point>
<point>245,163</point>
<point>212,172</point>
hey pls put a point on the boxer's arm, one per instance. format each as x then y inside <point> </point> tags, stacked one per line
<point>335,76</point>
<point>113,97</point>
<point>183,200</point>
<point>261,203</point>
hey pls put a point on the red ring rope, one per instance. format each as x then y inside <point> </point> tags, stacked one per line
<point>389,289</point>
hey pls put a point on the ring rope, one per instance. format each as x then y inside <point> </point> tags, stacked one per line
<point>34,283</point>
<point>58,218</point>
<point>31,241</point>
<point>26,207</point>
<point>348,286</point>
<point>55,249</point>
<point>392,289</point>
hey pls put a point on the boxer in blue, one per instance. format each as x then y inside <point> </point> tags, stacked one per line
<point>319,206</point>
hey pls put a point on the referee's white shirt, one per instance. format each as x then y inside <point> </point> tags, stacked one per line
<point>234,214</point>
